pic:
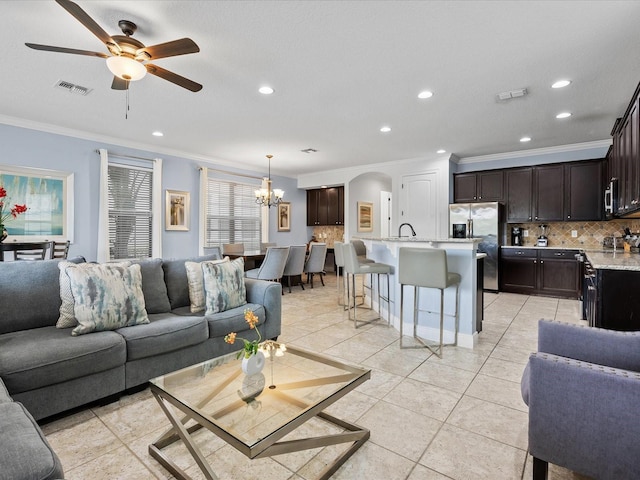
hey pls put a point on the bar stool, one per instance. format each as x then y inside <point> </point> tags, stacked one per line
<point>340,281</point>
<point>426,268</point>
<point>353,267</point>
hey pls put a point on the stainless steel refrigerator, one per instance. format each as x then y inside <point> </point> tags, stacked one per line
<point>484,221</point>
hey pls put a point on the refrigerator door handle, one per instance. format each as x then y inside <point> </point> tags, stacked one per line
<point>470,228</point>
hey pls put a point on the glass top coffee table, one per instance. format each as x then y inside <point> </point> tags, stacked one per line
<point>254,412</point>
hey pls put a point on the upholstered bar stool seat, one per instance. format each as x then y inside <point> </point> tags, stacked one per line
<point>353,267</point>
<point>426,268</point>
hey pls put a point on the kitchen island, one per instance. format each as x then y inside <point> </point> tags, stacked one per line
<point>461,258</point>
<point>611,292</point>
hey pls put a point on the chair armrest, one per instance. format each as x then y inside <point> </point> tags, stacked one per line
<point>269,295</point>
<point>589,344</point>
<point>584,416</point>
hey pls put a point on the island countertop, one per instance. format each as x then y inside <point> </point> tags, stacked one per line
<point>421,239</point>
<point>614,260</point>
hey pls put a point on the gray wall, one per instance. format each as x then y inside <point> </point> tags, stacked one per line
<point>31,148</point>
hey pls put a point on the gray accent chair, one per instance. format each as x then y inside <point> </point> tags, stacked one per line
<point>24,450</point>
<point>272,267</point>
<point>295,264</point>
<point>582,388</point>
<point>315,262</point>
<point>233,248</point>
<point>354,267</point>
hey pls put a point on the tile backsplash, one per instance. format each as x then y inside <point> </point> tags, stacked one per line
<point>329,234</point>
<point>589,234</point>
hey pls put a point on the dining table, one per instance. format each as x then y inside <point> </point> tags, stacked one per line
<point>252,258</point>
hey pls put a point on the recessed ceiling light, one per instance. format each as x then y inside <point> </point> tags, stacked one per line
<point>266,90</point>
<point>441,151</point>
<point>157,134</point>
<point>525,139</point>
<point>385,129</point>
<point>561,83</point>
<point>563,115</point>
<point>425,94</point>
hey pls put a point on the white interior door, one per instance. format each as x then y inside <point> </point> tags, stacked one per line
<point>385,214</point>
<point>419,203</point>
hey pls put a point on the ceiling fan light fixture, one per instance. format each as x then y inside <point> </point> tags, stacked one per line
<point>126,68</point>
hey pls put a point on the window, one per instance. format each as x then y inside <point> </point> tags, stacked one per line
<point>130,211</point>
<point>232,215</point>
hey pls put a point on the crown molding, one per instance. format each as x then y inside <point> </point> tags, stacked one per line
<point>94,137</point>
<point>574,147</point>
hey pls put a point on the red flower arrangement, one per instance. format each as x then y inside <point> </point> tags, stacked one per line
<point>7,213</point>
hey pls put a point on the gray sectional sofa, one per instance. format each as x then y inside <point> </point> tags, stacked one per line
<point>48,371</point>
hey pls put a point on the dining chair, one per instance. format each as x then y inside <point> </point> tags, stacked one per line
<point>295,264</point>
<point>60,249</point>
<point>232,248</point>
<point>315,262</point>
<point>33,251</point>
<point>272,267</point>
<point>264,246</point>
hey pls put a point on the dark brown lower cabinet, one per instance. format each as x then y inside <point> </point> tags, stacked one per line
<point>617,303</point>
<point>541,271</point>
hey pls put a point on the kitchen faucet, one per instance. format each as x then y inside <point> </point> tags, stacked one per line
<point>413,232</point>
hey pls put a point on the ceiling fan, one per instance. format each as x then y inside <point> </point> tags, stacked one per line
<point>128,56</point>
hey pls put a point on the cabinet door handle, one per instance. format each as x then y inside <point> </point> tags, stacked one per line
<point>559,254</point>
<point>535,261</point>
<point>568,216</point>
<point>541,261</point>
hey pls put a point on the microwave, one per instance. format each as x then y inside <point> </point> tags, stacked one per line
<point>611,198</point>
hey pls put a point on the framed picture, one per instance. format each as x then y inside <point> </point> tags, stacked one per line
<point>365,217</point>
<point>177,209</point>
<point>284,217</point>
<point>48,196</point>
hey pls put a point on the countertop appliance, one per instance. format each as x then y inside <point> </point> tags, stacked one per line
<point>516,236</point>
<point>543,239</point>
<point>483,220</point>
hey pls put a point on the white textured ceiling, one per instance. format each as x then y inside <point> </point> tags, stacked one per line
<point>340,69</point>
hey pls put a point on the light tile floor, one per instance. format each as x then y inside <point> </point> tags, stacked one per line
<point>459,417</point>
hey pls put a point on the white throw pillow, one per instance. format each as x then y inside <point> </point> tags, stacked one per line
<point>106,297</point>
<point>196,283</point>
<point>67,319</point>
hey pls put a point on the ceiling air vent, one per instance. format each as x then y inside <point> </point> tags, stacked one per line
<point>72,88</point>
<point>521,92</point>
<point>309,150</point>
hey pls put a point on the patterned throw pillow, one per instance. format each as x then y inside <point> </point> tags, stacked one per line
<point>196,283</point>
<point>224,286</point>
<point>67,319</point>
<point>106,297</point>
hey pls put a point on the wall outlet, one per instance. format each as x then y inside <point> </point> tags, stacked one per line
<point>525,233</point>
<point>574,234</point>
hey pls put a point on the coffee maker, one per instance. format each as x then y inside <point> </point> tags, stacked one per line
<point>516,236</point>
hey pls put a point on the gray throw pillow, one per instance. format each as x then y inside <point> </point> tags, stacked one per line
<point>224,286</point>
<point>106,297</point>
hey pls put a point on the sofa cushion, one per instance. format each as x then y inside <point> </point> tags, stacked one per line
<point>196,283</point>
<point>154,289</point>
<point>233,320</point>
<point>29,294</point>
<point>224,286</point>
<point>4,395</point>
<point>39,357</point>
<point>24,451</point>
<point>166,332</point>
<point>106,297</point>
<point>67,318</point>
<point>175,277</point>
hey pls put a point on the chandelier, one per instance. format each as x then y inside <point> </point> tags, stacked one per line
<point>266,196</point>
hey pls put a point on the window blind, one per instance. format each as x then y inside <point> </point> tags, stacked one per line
<point>232,215</point>
<point>130,211</point>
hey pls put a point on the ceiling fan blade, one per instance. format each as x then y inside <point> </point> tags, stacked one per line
<point>49,48</point>
<point>119,84</point>
<point>171,49</point>
<point>86,20</point>
<point>173,78</point>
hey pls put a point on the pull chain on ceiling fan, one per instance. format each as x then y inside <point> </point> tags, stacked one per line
<point>128,55</point>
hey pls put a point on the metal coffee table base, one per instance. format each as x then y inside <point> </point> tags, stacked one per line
<point>267,447</point>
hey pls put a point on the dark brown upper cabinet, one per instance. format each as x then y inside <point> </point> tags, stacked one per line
<point>487,186</point>
<point>325,206</point>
